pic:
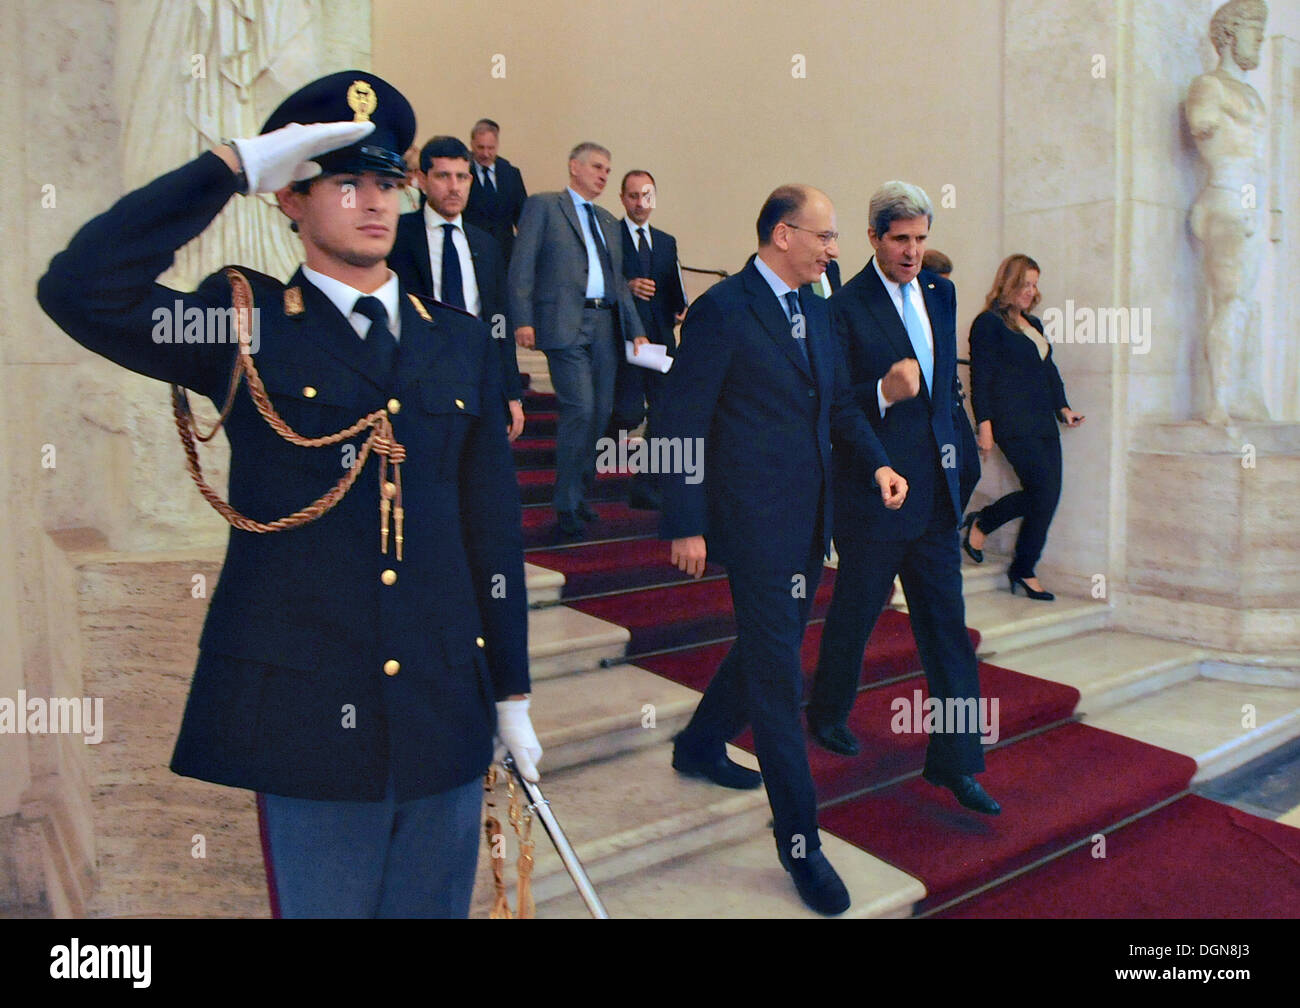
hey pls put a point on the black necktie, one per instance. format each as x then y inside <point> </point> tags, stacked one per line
<point>798,326</point>
<point>643,251</point>
<point>606,264</point>
<point>488,187</point>
<point>379,341</point>
<point>453,287</point>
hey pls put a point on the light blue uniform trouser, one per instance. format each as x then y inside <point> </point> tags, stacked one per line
<point>372,859</point>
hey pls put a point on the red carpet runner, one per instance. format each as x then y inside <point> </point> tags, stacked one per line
<point>1061,783</point>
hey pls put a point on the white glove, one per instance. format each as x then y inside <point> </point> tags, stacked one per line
<point>515,734</point>
<point>273,160</point>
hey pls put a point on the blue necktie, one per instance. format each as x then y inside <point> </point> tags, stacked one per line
<point>453,287</point>
<point>643,253</point>
<point>488,185</point>
<point>916,333</point>
<point>798,324</point>
<point>606,263</point>
<point>379,343</point>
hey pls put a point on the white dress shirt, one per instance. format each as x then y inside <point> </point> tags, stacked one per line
<point>344,298</point>
<point>433,222</point>
<point>895,292</point>
<point>633,227</point>
<point>595,271</point>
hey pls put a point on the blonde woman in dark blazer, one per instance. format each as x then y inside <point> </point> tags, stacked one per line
<point>1018,399</point>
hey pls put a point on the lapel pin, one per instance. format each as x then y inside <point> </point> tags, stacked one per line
<point>293,301</point>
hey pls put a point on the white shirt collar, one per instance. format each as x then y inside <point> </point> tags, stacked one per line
<point>632,227</point>
<point>893,288</point>
<point>779,287</point>
<point>344,298</point>
<point>434,220</point>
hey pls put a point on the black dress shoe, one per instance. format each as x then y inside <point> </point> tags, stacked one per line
<point>975,554</point>
<point>837,738</point>
<point>967,790</point>
<point>585,513</point>
<point>570,525</point>
<point>1039,596</point>
<point>720,770</point>
<point>819,885</point>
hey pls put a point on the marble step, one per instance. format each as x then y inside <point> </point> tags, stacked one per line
<point>544,585</point>
<point>1205,718</point>
<point>743,880</point>
<point>627,815</point>
<point>562,641</point>
<point>533,363</point>
<point>602,713</point>
<point>1012,622</point>
<point>1108,668</point>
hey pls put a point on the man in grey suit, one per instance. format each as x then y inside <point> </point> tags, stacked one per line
<point>568,299</point>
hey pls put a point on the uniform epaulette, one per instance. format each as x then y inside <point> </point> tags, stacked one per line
<point>420,301</point>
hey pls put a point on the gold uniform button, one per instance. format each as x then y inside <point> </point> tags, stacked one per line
<point>394,406</point>
<point>460,403</point>
<point>480,642</point>
<point>309,392</point>
<point>392,666</point>
<point>389,577</point>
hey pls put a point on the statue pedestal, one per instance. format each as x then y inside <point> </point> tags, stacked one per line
<point>1214,535</point>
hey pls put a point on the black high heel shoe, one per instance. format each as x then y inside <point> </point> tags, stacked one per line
<point>1038,596</point>
<point>971,551</point>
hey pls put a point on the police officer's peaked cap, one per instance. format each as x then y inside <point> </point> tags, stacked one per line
<point>354,96</point>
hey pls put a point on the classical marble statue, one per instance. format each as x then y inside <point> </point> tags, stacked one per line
<point>222,65</point>
<point>1227,120</point>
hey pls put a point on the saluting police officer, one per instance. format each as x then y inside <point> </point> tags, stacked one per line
<point>353,667</point>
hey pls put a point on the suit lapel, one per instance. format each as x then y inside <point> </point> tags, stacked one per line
<point>420,245</point>
<point>765,306</point>
<point>570,213</point>
<point>882,307</point>
<point>945,362</point>
<point>817,335</point>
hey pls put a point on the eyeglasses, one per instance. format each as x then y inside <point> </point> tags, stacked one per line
<point>826,237</point>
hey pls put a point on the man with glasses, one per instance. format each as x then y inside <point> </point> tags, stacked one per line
<point>758,379</point>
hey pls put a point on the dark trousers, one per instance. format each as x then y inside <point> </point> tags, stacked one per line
<point>372,859</point>
<point>583,378</point>
<point>760,684</point>
<point>636,398</point>
<point>930,568</point>
<point>1037,462</point>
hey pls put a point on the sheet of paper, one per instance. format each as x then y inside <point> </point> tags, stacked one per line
<point>649,355</point>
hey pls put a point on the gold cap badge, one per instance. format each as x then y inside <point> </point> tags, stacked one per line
<point>361,100</point>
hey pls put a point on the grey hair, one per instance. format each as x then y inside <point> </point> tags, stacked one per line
<point>897,201</point>
<point>588,147</point>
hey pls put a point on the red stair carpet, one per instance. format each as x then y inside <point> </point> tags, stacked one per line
<point>1061,783</point>
<point>1193,858</point>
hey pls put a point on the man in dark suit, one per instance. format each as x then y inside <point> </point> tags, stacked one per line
<point>357,655</point>
<point>497,193</point>
<point>759,384</point>
<point>896,326</point>
<point>474,279</point>
<point>567,298</point>
<point>655,279</point>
